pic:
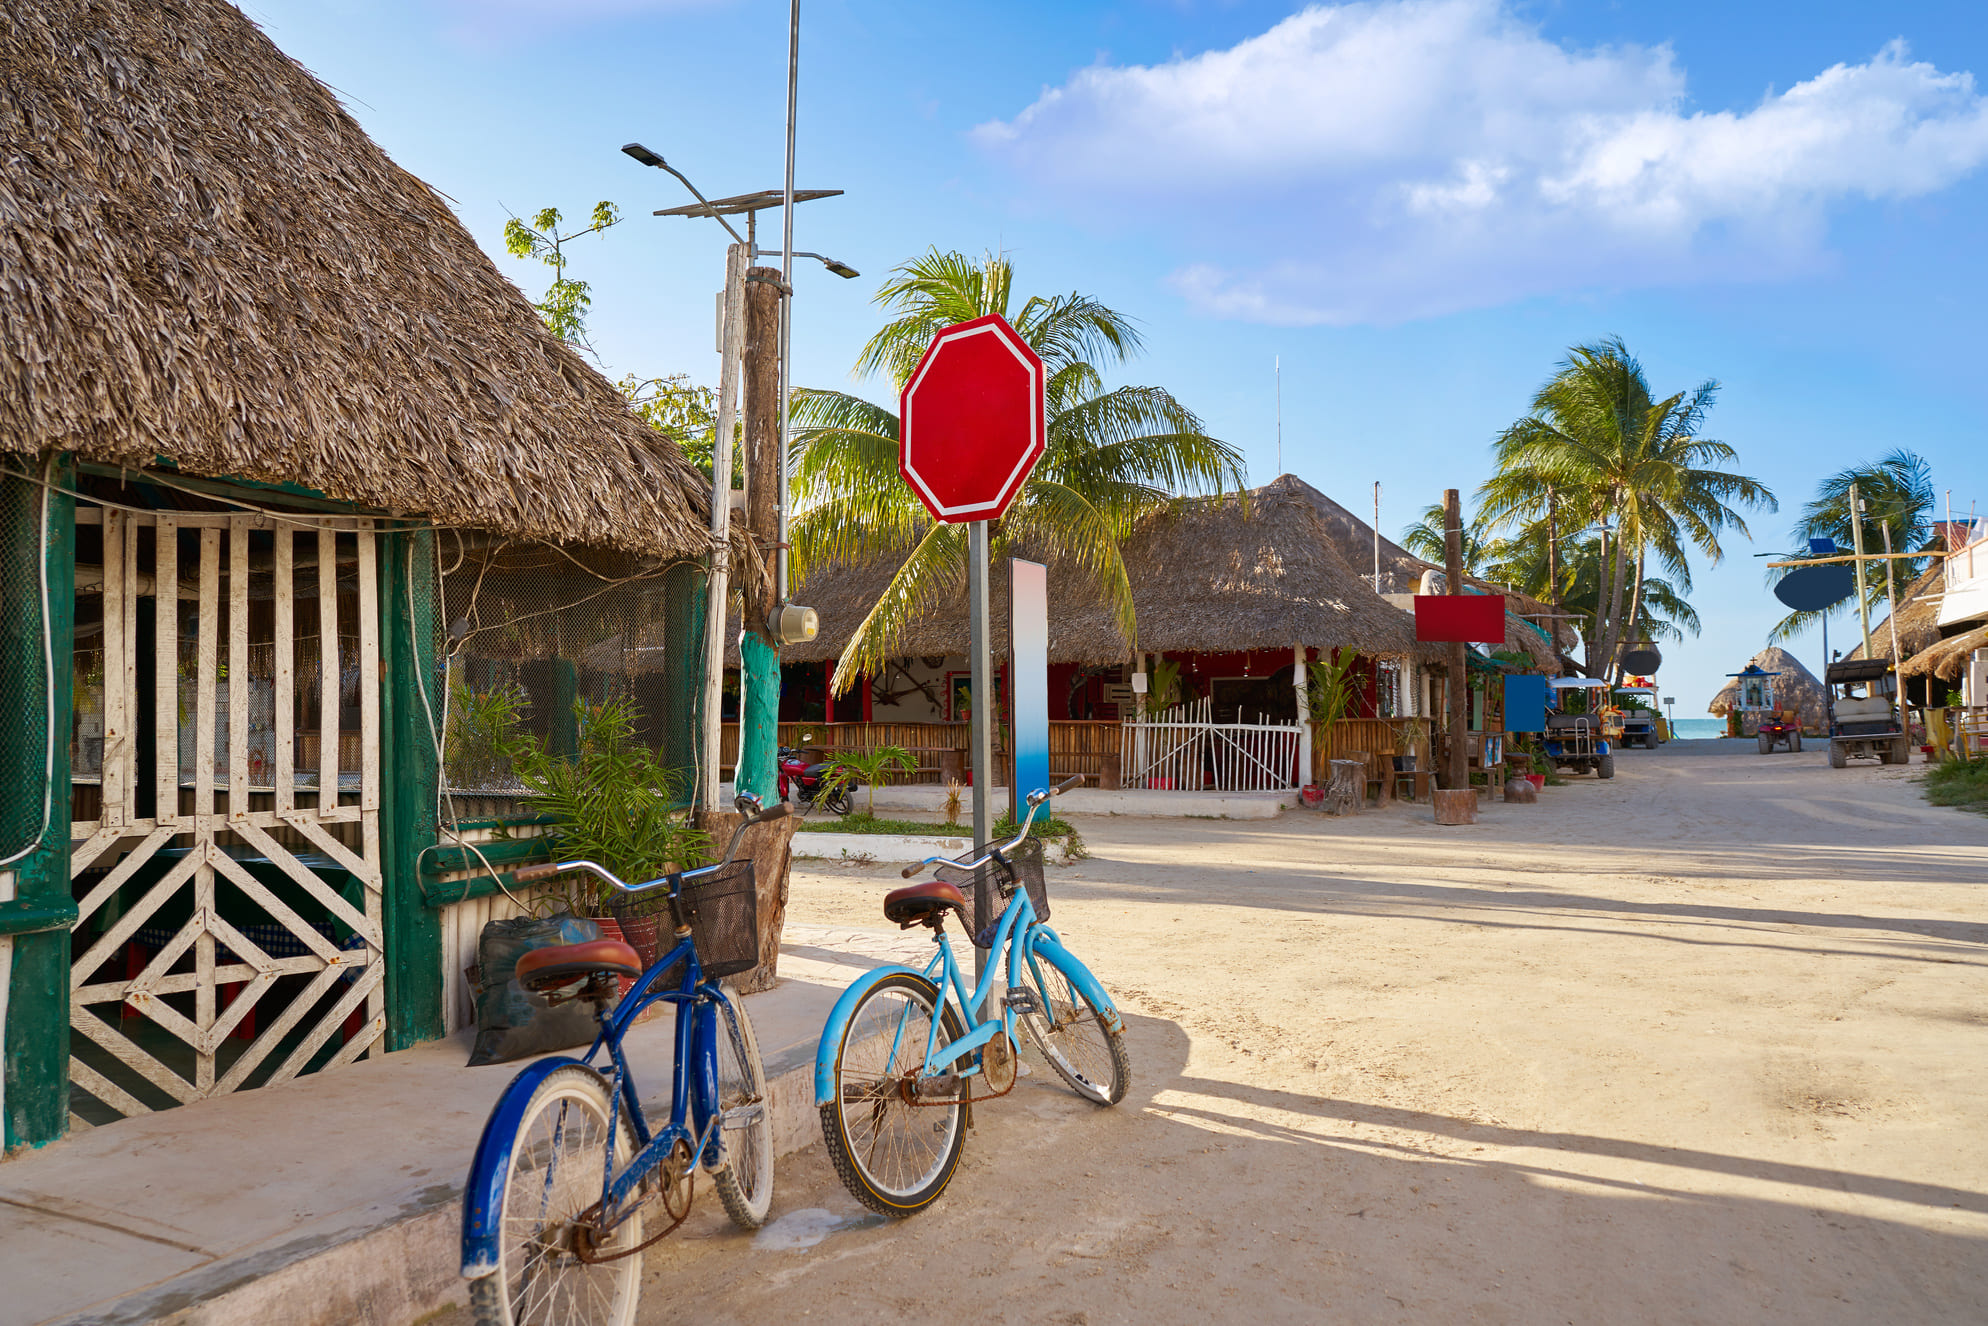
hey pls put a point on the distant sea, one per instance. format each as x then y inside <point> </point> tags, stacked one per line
<point>1693,729</point>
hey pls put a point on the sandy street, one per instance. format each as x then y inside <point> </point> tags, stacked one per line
<point>1703,1044</point>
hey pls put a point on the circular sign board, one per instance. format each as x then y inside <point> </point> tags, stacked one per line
<point>1813,588</point>
<point>971,421</point>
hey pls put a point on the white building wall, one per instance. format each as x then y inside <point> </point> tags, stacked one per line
<point>913,707</point>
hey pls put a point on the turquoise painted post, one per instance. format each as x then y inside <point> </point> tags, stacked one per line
<point>37,1012</point>
<point>412,778</point>
<point>759,719</point>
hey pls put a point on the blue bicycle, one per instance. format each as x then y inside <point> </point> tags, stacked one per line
<point>568,1178</point>
<point>906,1054</point>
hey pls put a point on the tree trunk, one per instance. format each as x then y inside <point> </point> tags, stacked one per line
<point>770,848</point>
<point>762,426</point>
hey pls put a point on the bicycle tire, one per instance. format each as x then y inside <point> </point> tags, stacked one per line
<point>882,1117</point>
<point>545,1285</point>
<point>745,1178</point>
<point>1070,1032</point>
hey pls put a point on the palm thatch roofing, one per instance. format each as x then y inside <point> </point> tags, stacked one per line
<point>1918,618</point>
<point>1212,576</point>
<point>206,259</point>
<point>1796,688</point>
<point>1945,659</point>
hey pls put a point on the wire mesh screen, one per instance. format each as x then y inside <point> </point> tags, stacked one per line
<point>532,630</point>
<point>24,679</point>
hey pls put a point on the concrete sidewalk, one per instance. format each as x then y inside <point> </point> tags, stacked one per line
<point>335,1198</point>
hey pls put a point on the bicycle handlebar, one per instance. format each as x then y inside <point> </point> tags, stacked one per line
<point>1035,802</point>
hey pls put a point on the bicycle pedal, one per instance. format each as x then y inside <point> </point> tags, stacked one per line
<point>1021,999</point>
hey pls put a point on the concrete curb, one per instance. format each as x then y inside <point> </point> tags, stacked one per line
<point>878,846</point>
<point>399,1271</point>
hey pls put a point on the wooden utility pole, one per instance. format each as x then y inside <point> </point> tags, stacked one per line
<point>759,654</point>
<point>1456,774</point>
<point>762,424</point>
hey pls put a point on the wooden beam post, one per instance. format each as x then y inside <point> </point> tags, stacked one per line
<point>759,656</point>
<point>1456,771</point>
<point>34,1102</point>
<point>412,775</point>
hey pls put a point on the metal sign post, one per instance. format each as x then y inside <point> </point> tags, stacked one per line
<point>980,737</point>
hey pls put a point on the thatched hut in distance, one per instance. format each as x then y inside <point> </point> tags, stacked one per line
<point>1917,619</point>
<point>1795,688</point>
<point>274,432</point>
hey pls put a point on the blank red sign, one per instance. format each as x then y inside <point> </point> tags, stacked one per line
<point>1472,618</point>
<point>971,420</point>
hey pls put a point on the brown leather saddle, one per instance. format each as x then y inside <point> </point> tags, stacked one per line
<point>562,964</point>
<point>924,904</point>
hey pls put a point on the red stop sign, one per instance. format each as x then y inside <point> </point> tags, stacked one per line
<point>971,420</point>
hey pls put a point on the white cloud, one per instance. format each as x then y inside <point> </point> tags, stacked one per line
<point>1406,158</point>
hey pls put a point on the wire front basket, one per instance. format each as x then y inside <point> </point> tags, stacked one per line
<point>1024,867</point>
<point>724,919</point>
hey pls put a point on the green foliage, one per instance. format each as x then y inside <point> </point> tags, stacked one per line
<point>613,801</point>
<point>688,414</point>
<point>1331,689</point>
<point>484,728</point>
<point>1961,783</point>
<point>1598,444</point>
<point>1897,493</point>
<point>1163,686</point>
<point>1113,456</point>
<point>566,301</point>
<point>867,768</point>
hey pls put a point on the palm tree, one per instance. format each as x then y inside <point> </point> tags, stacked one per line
<point>1425,538</point>
<point>1113,456</point>
<point>1897,493</point>
<point>1598,445</point>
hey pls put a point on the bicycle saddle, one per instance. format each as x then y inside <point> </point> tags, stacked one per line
<point>560,964</point>
<point>924,904</point>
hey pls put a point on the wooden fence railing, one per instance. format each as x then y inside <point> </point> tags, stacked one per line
<point>1074,747</point>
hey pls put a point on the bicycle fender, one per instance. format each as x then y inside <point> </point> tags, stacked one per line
<point>838,1021</point>
<point>1080,976</point>
<point>481,1217</point>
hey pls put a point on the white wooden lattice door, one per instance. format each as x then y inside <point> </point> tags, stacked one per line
<point>235,930</point>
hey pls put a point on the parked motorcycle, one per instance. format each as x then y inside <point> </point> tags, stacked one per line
<point>802,784</point>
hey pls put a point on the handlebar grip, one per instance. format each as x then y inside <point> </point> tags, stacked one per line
<point>543,870</point>
<point>912,872</point>
<point>780,810</point>
<point>1066,784</point>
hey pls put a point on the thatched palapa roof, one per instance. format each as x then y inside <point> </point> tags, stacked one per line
<point>203,257</point>
<point>1214,575</point>
<point>1796,688</point>
<point>1946,659</point>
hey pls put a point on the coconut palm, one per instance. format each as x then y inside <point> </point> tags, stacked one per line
<point>1598,445</point>
<point>1425,538</point>
<point>1897,493</point>
<point>1113,456</point>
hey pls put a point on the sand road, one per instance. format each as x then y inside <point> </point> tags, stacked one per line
<point>1702,1044</point>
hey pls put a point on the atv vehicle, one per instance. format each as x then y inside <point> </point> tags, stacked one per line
<point>1781,728</point>
<point>1863,713</point>
<point>1580,742</point>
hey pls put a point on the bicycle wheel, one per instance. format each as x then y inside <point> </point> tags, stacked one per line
<point>1072,1036</point>
<point>894,1156</point>
<point>745,1179</point>
<point>558,1158</point>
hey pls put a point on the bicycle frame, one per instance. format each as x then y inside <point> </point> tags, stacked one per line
<point>694,1115</point>
<point>1017,933</point>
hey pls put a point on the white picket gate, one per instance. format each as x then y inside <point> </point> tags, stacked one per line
<point>1184,749</point>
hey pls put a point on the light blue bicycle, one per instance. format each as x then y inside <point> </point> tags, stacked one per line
<point>906,1054</point>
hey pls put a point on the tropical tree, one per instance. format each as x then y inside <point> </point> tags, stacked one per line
<point>1113,457</point>
<point>1425,538</point>
<point>1897,493</point>
<point>1599,446</point>
<point>566,301</point>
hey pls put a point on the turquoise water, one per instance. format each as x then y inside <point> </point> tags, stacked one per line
<point>1692,729</point>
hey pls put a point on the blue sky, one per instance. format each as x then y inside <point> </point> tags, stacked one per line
<point>1417,204</point>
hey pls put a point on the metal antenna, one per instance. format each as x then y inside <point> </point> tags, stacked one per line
<point>1278,361</point>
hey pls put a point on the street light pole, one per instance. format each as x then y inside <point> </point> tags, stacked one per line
<point>786,304</point>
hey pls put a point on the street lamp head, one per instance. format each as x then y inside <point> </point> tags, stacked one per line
<point>840,268</point>
<point>642,154</point>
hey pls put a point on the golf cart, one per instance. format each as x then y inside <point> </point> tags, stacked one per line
<point>1581,740</point>
<point>1863,712</point>
<point>1639,715</point>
